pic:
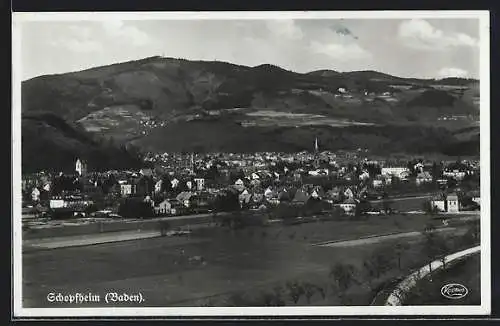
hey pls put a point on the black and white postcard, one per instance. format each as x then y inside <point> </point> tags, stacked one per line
<point>175,164</point>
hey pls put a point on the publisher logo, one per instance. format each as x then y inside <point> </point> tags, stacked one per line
<point>454,291</point>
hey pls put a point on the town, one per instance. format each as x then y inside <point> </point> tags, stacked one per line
<point>263,162</point>
<point>319,181</point>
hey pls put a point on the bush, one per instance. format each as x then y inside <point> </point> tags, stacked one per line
<point>284,211</point>
<point>429,209</point>
<point>342,276</point>
<point>132,208</point>
<point>295,290</point>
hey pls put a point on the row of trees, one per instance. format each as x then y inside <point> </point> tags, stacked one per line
<point>387,261</point>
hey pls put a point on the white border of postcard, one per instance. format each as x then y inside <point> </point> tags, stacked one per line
<point>485,307</point>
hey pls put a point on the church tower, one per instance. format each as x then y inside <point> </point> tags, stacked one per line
<point>316,153</point>
<point>81,167</point>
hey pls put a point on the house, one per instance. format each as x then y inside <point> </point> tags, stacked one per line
<point>201,202</point>
<point>475,196</point>
<point>301,197</point>
<point>56,202</point>
<point>442,182</point>
<point>397,171</point>
<point>255,183</point>
<point>28,213</point>
<point>69,205</point>
<point>423,177</point>
<point>387,179</point>
<point>35,194</point>
<point>439,203</point>
<point>269,193</point>
<point>176,207</point>
<point>318,172</point>
<point>317,193</point>
<point>200,183</point>
<point>184,198</point>
<point>244,197</point>
<point>149,201</point>
<point>364,175</point>
<point>257,198</point>
<point>127,189</point>
<point>239,184</point>
<point>158,186</point>
<point>174,182</point>
<point>419,167</point>
<point>378,183</point>
<point>81,167</point>
<point>349,206</point>
<point>147,172</point>
<point>285,195</point>
<point>452,203</point>
<point>348,193</point>
<point>454,174</point>
<point>46,186</point>
<point>334,194</point>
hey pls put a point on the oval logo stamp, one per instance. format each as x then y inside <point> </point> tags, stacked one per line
<point>454,291</point>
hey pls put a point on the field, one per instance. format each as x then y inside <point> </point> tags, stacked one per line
<point>265,118</point>
<point>215,263</point>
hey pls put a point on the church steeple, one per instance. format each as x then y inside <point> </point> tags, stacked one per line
<point>316,152</point>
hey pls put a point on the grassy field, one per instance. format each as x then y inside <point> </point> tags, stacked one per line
<point>466,272</point>
<point>249,261</point>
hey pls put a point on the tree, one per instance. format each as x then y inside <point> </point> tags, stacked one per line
<point>437,170</point>
<point>209,302</point>
<point>471,236</point>
<point>278,296</point>
<point>135,209</point>
<point>362,207</point>
<point>379,262</point>
<point>227,202</point>
<point>430,240</point>
<point>166,185</point>
<point>164,227</point>
<point>295,290</point>
<point>321,290</point>
<point>441,249</point>
<point>387,205</point>
<point>400,249</point>
<point>429,208</point>
<point>309,290</point>
<point>266,299</point>
<point>342,276</point>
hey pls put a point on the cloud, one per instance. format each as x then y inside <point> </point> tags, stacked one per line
<point>342,30</point>
<point>76,39</point>
<point>121,32</point>
<point>453,72</point>
<point>340,51</point>
<point>285,28</point>
<point>85,46</point>
<point>420,34</point>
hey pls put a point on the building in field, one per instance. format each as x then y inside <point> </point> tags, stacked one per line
<point>452,203</point>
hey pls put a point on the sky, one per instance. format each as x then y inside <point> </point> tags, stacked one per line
<point>422,48</point>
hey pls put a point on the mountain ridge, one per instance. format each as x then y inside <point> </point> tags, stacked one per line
<point>141,101</point>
